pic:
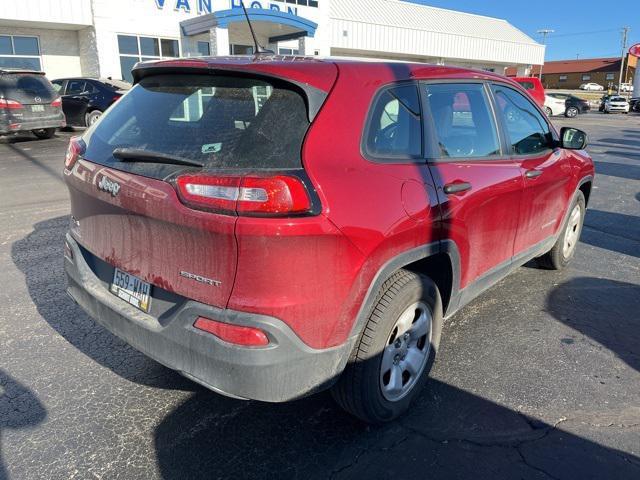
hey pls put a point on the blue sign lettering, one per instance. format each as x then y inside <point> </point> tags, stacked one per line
<point>274,7</point>
<point>204,6</point>
<point>160,3</point>
<point>183,4</point>
<point>256,5</point>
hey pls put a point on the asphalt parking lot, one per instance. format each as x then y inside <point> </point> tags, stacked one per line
<point>538,378</point>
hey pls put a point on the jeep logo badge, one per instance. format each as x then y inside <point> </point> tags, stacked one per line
<point>109,186</point>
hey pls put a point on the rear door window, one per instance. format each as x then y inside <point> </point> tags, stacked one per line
<point>463,122</point>
<point>76,87</point>
<point>223,122</point>
<point>27,88</point>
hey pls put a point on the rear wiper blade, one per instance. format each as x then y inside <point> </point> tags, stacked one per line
<point>148,156</point>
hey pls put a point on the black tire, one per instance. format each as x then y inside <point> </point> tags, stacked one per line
<point>571,112</point>
<point>92,117</point>
<point>358,390</point>
<point>555,259</point>
<point>44,133</point>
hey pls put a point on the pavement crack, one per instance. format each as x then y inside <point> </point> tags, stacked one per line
<point>362,452</point>
<point>534,467</point>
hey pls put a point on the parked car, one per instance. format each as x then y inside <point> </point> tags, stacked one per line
<point>616,104</point>
<point>214,228</point>
<point>634,104</point>
<point>534,87</point>
<point>574,106</point>
<point>554,106</point>
<point>624,88</point>
<point>84,100</point>
<point>592,86</point>
<point>28,103</point>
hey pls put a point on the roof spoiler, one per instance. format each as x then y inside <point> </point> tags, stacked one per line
<point>314,97</point>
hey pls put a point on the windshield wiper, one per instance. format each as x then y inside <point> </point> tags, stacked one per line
<point>148,156</point>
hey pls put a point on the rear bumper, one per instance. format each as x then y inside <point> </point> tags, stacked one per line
<point>28,125</point>
<point>285,370</point>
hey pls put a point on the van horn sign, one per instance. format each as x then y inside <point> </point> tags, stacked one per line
<point>635,50</point>
<point>205,6</point>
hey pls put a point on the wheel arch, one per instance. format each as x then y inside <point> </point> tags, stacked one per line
<point>585,187</point>
<point>440,261</point>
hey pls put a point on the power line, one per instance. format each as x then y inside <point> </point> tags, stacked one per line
<point>575,34</point>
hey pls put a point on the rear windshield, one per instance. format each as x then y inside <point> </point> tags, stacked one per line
<point>25,87</point>
<point>222,122</point>
<point>618,99</point>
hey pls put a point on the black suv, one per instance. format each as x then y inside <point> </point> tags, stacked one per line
<point>28,102</point>
<point>85,99</point>
<point>575,106</point>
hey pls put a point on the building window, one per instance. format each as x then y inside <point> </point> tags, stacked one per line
<point>288,51</point>
<point>586,78</point>
<point>18,51</point>
<point>310,3</point>
<point>241,50</point>
<point>562,78</point>
<point>204,49</point>
<point>611,76</point>
<point>134,49</point>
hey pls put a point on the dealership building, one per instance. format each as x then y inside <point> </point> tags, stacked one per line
<point>105,38</point>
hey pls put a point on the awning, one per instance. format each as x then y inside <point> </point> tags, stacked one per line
<point>275,25</point>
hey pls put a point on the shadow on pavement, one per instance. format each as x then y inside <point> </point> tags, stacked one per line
<point>631,154</point>
<point>620,141</point>
<point>40,257</point>
<point>632,172</point>
<point>52,172</point>
<point>19,409</point>
<point>608,313</point>
<point>449,434</point>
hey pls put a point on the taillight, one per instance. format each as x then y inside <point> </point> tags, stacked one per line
<point>116,97</point>
<point>236,334</point>
<point>57,102</point>
<point>278,195</point>
<point>75,149</point>
<point>10,104</point>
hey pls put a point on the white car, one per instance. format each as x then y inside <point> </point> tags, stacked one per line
<point>626,87</point>
<point>592,86</point>
<point>616,104</point>
<point>554,106</point>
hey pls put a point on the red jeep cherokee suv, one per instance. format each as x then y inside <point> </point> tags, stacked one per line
<point>271,226</point>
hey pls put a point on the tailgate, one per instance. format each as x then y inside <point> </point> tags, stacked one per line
<point>144,230</point>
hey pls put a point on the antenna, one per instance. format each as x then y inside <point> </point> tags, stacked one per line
<point>259,49</point>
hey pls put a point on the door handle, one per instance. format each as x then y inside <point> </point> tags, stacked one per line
<point>456,187</point>
<point>533,173</point>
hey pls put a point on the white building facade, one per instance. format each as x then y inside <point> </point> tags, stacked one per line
<point>105,38</point>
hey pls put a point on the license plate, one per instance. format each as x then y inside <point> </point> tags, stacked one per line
<point>131,289</point>
<point>37,108</point>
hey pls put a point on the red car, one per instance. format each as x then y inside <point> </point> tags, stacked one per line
<point>271,228</point>
<point>534,87</point>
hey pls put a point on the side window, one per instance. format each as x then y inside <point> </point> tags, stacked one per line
<point>57,86</point>
<point>528,131</point>
<point>395,125</point>
<point>75,87</point>
<point>463,123</point>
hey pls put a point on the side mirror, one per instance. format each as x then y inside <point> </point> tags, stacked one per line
<point>573,139</point>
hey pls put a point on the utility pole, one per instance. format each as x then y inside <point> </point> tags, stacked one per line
<point>544,34</point>
<point>625,32</point>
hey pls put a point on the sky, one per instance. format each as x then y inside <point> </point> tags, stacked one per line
<point>583,29</point>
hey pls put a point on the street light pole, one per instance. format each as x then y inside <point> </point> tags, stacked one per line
<point>544,34</point>
<point>625,32</point>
